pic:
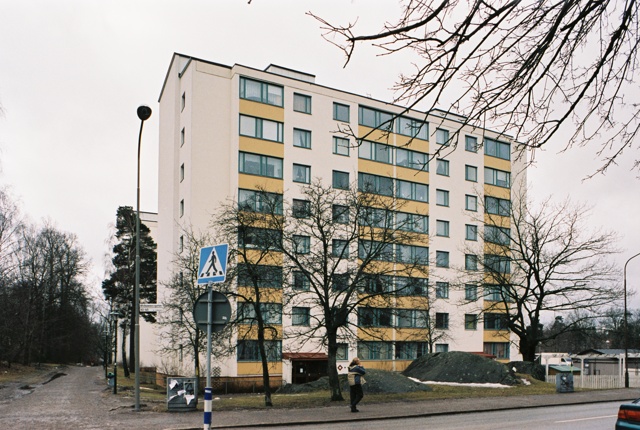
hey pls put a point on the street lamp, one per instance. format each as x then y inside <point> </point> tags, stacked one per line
<point>144,112</point>
<point>626,327</point>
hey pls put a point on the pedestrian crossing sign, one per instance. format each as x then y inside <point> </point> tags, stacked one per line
<point>213,264</point>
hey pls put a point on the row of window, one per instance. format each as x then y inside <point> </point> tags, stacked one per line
<point>367,350</point>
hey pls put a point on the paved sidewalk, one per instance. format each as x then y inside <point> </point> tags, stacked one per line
<point>378,411</point>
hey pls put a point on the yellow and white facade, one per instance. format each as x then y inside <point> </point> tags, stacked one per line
<point>230,128</point>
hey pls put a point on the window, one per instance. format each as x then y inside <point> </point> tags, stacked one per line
<point>412,127</point>
<point>340,112</point>
<point>301,208</point>
<point>340,282</point>
<point>470,292</point>
<point>375,151</point>
<point>301,138</point>
<point>261,128</point>
<point>261,92</point>
<point>495,148</point>
<point>261,165</point>
<point>498,235</point>
<point>471,144</point>
<point>411,350</point>
<point>182,172</point>
<point>442,290</point>
<point>442,347</point>
<point>411,318</point>
<point>271,312</point>
<point>340,248</point>
<point>375,250</point>
<point>471,173</point>
<point>248,350</point>
<point>342,352</point>
<point>442,228</point>
<point>470,322</point>
<point>442,320</point>
<point>375,284</point>
<point>494,293</point>
<point>301,173</point>
<point>498,178</point>
<point>498,349</point>
<point>471,262</point>
<point>442,259</point>
<point>442,167</point>
<point>301,244</point>
<point>375,317</point>
<point>340,214</point>
<point>406,286</point>
<point>259,238</point>
<point>412,191</point>
<point>259,276</point>
<point>412,222</point>
<point>375,184</point>
<point>183,101</point>
<point>300,316</point>
<point>340,180</point>
<point>341,146</point>
<point>301,281</point>
<point>375,350</point>
<point>442,136</point>
<point>182,136</point>
<point>497,263</point>
<point>471,203</point>
<point>495,321</point>
<point>412,159</point>
<point>496,206</point>
<point>181,243</point>
<point>471,232</point>
<point>376,217</point>
<point>374,118</point>
<point>260,201</point>
<point>181,208</point>
<point>412,254</point>
<point>301,103</point>
<point>442,197</point>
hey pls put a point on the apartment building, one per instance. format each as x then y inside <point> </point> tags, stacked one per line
<point>226,131</point>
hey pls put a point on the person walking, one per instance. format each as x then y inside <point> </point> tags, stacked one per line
<point>356,379</point>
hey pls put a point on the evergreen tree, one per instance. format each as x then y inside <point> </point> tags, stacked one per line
<point>119,287</point>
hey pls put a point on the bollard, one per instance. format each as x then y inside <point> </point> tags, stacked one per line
<point>208,396</point>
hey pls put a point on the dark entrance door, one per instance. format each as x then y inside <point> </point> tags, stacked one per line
<point>308,370</point>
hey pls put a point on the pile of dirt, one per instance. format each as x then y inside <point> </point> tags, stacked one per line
<point>378,381</point>
<point>460,367</point>
<point>536,370</point>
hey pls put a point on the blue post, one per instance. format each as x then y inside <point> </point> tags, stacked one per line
<point>208,396</point>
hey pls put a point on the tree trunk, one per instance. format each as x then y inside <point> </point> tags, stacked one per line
<point>332,370</point>
<point>265,365</point>
<point>125,366</point>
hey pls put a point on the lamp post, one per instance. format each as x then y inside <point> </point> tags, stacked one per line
<point>115,353</point>
<point>144,112</point>
<point>626,327</point>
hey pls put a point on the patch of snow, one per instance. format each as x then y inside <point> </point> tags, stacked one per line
<point>526,381</point>
<point>487,385</point>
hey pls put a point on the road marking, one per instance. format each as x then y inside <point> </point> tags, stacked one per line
<point>587,419</point>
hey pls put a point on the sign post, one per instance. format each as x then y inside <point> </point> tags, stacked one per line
<point>212,268</point>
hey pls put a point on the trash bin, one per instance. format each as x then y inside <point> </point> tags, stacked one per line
<point>564,383</point>
<point>182,394</point>
<point>110,379</point>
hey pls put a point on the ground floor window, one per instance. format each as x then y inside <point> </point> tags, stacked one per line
<point>411,350</point>
<point>375,350</point>
<point>248,350</point>
<point>499,349</point>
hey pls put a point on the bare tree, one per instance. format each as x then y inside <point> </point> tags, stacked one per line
<point>340,252</point>
<point>531,69</point>
<point>542,260</point>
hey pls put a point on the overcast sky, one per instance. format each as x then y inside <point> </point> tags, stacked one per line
<point>73,72</point>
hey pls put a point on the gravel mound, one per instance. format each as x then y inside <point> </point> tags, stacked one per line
<point>378,381</point>
<point>460,367</point>
<point>536,370</point>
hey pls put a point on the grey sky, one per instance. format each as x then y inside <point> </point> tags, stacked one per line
<point>73,72</point>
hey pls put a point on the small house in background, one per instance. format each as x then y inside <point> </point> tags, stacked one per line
<point>557,362</point>
<point>607,361</point>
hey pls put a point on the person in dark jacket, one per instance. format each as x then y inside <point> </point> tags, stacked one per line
<point>355,383</point>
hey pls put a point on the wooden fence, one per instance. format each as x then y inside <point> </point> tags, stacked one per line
<point>600,382</point>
